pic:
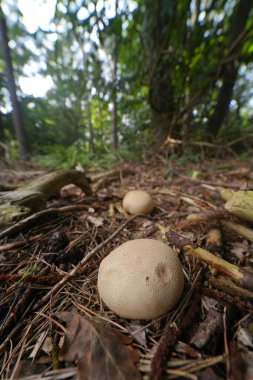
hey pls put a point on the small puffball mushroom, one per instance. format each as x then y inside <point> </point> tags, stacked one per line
<point>141,279</point>
<point>138,202</point>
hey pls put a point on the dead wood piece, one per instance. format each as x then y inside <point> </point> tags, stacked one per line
<point>244,231</point>
<point>33,196</point>
<point>224,298</point>
<point>206,216</point>
<point>228,286</point>
<point>99,179</point>
<point>242,276</point>
<point>214,244</point>
<point>105,175</point>
<point>51,183</point>
<point>214,240</point>
<point>241,205</point>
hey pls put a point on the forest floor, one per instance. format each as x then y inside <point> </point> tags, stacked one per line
<point>48,280</point>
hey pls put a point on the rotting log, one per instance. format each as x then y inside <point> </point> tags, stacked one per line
<point>32,197</point>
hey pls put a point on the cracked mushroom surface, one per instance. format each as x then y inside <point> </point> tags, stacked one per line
<point>138,202</point>
<point>141,279</point>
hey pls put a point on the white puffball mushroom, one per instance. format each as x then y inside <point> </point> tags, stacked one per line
<point>138,202</point>
<point>141,279</point>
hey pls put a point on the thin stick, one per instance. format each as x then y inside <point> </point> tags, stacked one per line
<point>19,243</point>
<point>56,288</point>
<point>244,231</point>
<point>226,351</point>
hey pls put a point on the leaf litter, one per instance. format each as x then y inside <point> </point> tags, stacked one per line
<point>48,273</point>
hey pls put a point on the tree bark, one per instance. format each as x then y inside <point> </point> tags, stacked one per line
<point>2,151</point>
<point>230,69</point>
<point>114,79</point>
<point>17,112</point>
<point>91,134</point>
<point>158,23</point>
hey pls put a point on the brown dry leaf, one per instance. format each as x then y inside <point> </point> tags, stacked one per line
<point>244,338</point>
<point>212,325</point>
<point>100,352</point>
<point>185,349</point>
<point>240,249</point>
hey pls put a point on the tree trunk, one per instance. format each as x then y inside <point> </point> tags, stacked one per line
<point>114,80</point>
<point>230,69</point>
<point>158,22</point>
<point>224,98</point>
<point>17,113</point>
<point>91,135</point>
<point>2,151</point>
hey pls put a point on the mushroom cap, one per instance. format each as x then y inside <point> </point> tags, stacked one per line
<point>141,279</point>
<point>138,202</point>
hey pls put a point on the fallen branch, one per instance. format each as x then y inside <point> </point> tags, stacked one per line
<point>242,276</point>
<point>245,232</point>
<point>241,205</point>
<point>33,196</point>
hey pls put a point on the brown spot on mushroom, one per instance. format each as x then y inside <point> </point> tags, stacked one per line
<point>163,272</point>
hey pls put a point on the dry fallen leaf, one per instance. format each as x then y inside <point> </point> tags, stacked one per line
<point>212,325</point>
<point>244,338</point>
<point>100,352</point>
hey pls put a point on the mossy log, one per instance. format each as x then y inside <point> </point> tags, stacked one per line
<point>241,205</point>
<point>33,196</point>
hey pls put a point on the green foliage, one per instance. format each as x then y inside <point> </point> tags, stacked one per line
<point>184,49</point>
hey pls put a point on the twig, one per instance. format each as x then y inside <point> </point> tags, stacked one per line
<point>225,298</point>
<point>206,216</point>
<point>244,231</point>
<point>56,288</point>
<point>19,243</point>
<point>227,285</point>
